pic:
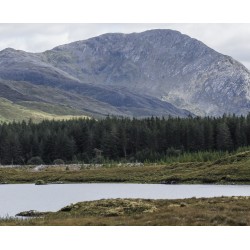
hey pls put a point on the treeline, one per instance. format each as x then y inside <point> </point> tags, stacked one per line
<point>89,140</point>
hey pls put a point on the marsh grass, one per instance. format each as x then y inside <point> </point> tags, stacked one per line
<point>226,170</point>
<point>224,211</point>
<point>229,169</point>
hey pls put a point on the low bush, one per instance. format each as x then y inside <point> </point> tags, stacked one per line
<point>58,162</point>
<point>36,160</point>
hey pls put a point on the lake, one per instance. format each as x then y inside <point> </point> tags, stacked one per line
<point>16,198</point>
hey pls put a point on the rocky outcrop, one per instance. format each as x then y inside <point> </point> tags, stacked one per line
<point>31,213</point>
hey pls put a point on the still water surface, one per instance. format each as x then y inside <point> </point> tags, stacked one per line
<point>15,198</point>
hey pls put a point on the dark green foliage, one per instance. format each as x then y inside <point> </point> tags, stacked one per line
<point>58,162</point>
<point>122,139</point>
<point>173,152</point>
<point>35,161</point>
<point>223,137</point>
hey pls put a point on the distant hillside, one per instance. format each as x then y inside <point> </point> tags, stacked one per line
<point>157,72</point>
<point>84,99</point>
<point>10,111</point>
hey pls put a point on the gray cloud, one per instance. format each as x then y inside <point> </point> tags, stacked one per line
<point>229,39</point>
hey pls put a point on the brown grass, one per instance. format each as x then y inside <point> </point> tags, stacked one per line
<point>223,211</point>
<point>234,169</point>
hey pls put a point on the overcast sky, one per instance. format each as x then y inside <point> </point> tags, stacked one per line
<point>229,39</point>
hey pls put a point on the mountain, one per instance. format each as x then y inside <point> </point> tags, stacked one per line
<point>156,72</point>
<point>162,63</point>
<point>29,79</point>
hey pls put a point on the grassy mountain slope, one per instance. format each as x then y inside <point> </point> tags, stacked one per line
<point>11,111</point>
<point>42,97</point>
<point>84,99</point>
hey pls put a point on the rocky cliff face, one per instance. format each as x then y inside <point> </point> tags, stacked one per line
<point>147,70</point>
<point>162,63</point>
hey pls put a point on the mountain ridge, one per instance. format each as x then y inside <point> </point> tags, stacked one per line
<point>194,64</point>
<point>156,72</point>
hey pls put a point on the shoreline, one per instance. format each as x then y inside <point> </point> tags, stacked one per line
<point>218,211</point>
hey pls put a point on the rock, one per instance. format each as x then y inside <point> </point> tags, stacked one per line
<point>39,168</point>
<point>31,213</point>
<point>40,182</point>
<point>164,182</point>
<point>168,182</point>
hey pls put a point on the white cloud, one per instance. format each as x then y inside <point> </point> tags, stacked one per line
<point>229,39</point>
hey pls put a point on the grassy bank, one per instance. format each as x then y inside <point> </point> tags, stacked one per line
<point>210,211</point>
<point>227,170</point>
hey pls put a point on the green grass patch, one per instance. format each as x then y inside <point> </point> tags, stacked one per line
<point>10,111</point>
<point>228,170</point>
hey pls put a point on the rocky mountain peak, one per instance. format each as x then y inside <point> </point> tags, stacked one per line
<point>162,64</point>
